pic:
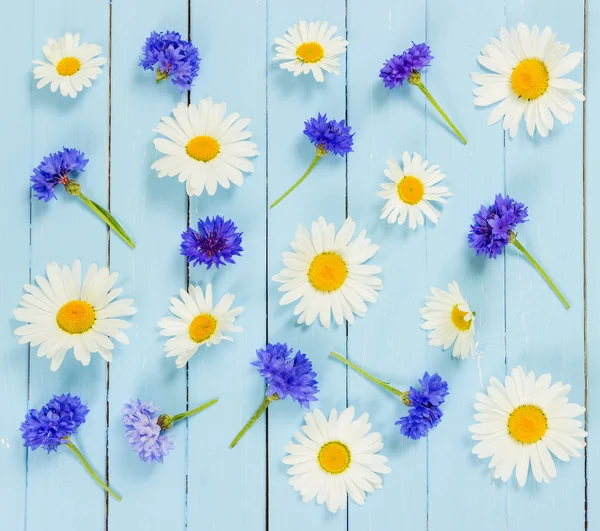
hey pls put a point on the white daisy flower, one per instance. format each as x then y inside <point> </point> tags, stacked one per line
<point>197,322</point>
<point>335,458</point>
<point>327,273</point>
<point>450,320</point>
<point>523,422</point>
<point>309,47</point>
<point>70,66</point>
<point>411,191</point>
<point>527,81</point>
<point>63,314</point>
<point>203,147</point>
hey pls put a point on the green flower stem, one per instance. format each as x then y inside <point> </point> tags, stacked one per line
<point>299,181</point>
<point>518,245</point>
<point>402,394</point>
<point>194,411</point>
<point>106,217</point>
<point>261,409</point>
<point>87,466</point>
<point>431,99</point>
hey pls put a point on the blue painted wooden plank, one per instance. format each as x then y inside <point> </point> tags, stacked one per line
<point>546,174</point>
<point>227,486</point>
<point>64,230</point>
<point>154,212</point>
<point>475,174</point>
<point>388,341</point>
<point>291,101</point>
<point>14,271</point>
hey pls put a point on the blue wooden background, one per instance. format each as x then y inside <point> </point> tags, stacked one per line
<point>436,484</point>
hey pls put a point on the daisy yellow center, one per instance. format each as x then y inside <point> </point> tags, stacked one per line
<point>202,327</point>
<point>310,52</point>
<point>527,424</point>
<point>203,148</point>
<point>327,272</point>
<point>76,317</point>
<point>334,457</point>
<point>530,79</point>
<point>458,319</point>
<point>68,66</point>
<point>411,190</point>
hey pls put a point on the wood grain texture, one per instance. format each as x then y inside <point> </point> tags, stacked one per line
<point>436,484</point>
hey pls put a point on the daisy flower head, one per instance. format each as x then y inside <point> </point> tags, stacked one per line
<point>173,58</point>
<point>310,48</point>
<point>407,67</point>
<point>412,190</point>
<point>215,242</point>
<point>62,313</point>
<point>494,228</point>
<point>334,458</point>
<point>328,274</point>
<point>424,403</point>
<point>328,136</point>
<point>70,66</point>
<point>203,147</point>
<point>523,423</point>
<point>449,320</point>
<point>198,322</point>
<point>56,169</point>
<point>527,80</point>
<point>145,430</point>
<point>286,374</point>
<point>424,413</point>
<point>53,425</point>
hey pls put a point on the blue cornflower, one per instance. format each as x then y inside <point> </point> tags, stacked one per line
<point>173,57</point>
<point>215,242</point>
<point>328,136</point>
<point>493,225</point>
<point>54,424</point>
<point>424,413</point>
<point>144,430</point>
<point>399,68</point>
<point>407,67</point>
<point>54,170</point>
<point>287,374</point>
<point>494,228</point>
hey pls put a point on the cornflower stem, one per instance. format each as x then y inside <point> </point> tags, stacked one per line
<point>417,82</point>
<point>191,412</point>
<point>538,267</point>
<point>107,217</point>
<point>90,470</point>
<point>299,181</point>
<point>261,409</point>
<point>402,394</point>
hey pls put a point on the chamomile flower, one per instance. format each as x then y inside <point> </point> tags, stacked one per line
<point>203,147</point>
<point>62,313</point>
<point>449,320</point>
<point>70,66</point>
<point>412,190</point>
<point>527,80</point>
<point>197,322</point>
<point>335,458</point>
<point>310,48</point>
<point>328,273</point>
<point>521,423</point>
